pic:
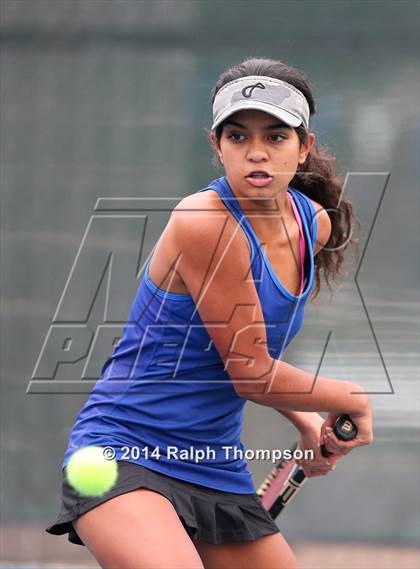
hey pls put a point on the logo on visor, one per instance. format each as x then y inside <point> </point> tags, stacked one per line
<point>247,91</point>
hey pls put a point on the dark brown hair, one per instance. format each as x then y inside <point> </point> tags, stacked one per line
<point>317,178</point>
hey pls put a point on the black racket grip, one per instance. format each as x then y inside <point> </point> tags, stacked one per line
<point>344,429</point>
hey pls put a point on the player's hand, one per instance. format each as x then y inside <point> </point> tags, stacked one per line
<point>364,435</point>
<point>310,439</point>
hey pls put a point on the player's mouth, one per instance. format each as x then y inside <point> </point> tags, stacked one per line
<point>259,178</point>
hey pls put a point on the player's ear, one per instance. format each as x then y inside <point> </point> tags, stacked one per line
<point>306,148</point>
<point>214,142</point>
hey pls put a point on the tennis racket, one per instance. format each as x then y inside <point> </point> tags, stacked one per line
<point>287,478</point>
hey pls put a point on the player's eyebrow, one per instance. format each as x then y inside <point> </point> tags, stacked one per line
<point>275,126</point>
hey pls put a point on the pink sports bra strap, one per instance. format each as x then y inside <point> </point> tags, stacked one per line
<point>301,241</point>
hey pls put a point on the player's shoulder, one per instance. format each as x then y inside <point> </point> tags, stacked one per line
<point>201,218</point>
<point>324,226</point>
<point>200,210</point>
<point>208,200</point>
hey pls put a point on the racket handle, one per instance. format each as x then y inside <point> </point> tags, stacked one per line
<point>344,429</point>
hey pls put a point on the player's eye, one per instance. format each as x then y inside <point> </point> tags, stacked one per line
<point>235,136</point>
<point>278,136</point>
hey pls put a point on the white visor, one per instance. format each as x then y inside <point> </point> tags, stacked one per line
<point>261,93</point>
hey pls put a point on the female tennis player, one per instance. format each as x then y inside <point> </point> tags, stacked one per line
<point>221,298</point>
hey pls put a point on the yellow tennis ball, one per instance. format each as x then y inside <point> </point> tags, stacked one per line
<point>90,473</point>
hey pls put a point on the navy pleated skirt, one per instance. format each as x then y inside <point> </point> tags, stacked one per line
<point>207,515</point>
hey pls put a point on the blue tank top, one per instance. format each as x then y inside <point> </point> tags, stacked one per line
<point>163,399</point>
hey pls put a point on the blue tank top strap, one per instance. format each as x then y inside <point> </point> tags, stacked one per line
<point>221,186</point>
<point>306,210</point>
<point>304,204</point>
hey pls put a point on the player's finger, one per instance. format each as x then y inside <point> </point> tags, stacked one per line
<point>332,459</point>
<point>312,472</point>
<point>335,446</point>
<point>313,465</point>
<point>327,425</point>
<point>339,449</point>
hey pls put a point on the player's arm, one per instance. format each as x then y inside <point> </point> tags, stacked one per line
<point>324,227</point>
<point>215,266</point>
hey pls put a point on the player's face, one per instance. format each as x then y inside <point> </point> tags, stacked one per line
<point>256,141</point>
